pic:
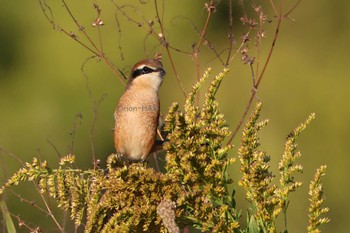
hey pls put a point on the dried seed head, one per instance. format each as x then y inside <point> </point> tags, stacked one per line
<point>98,22</point>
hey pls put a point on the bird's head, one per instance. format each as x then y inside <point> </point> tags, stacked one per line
<point>147,73</point>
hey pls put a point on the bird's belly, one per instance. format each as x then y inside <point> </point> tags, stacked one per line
<point>135,133</point>
<point>139,141</point>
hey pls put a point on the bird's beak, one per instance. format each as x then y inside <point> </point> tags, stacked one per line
<point>161,71</point>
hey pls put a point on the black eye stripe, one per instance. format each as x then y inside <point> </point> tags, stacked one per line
<point>147,70</point>
<point>143,70</point>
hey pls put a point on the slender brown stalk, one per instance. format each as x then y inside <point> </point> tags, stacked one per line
<point>231,38</point>
<point>206,42</point>
<point>292,9</point>
<point>54,147</point>
<point>49,212</point>
<point>97,51</point>
<point>210,8</point>
<point>23,223</point>
<point>279,21</point>
<point>95,107</point>
<point>31,203</point>
<point>256,86</point>
<point>166,45</point>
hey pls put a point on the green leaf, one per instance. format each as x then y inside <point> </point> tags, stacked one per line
<point>253,225</point>
<point>7,218</point>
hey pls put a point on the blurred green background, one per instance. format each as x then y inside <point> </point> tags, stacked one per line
<point>42,88</point>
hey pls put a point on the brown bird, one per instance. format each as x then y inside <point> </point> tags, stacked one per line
<point>137,113</point>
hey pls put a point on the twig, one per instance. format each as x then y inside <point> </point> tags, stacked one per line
<point>96,51</point>
<point>22,223</point>
<point>95,107</point>
<point>292,9</point>
<point>166,45</point>
<point>49,212</point>
<point>231,39</point>
<point>54,147</point>
<point>206,41</point>
<point>241,45</point>
<point>279,21</point>
<point>210,8</point>
<point>74,130</point>
<point>31,203</point>
<point>255,88</point>
<point>13,156</point>
<point>82,29</point>
<point>119,37</point>
<point>273,7</point>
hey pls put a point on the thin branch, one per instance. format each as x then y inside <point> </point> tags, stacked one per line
<point>96,51</point>
<point>179,50</point>
<point>95,107</point>
<point>273,7</point>
<point>31,203</point>
<point>279,21</point>
<point>166,45</point>
<point>255,88</point>
<point>36,187</point>
<point>252,96</point>
<point>159,36</point>
<point>259,39</point>
<point>175,71</point>
<point>13,156</point>
<point>81,28</point>
<point>206,41</point>
<point>230,36</point>
<point>77,117</point>
<point>22,223</point>
<point>54,147</point>
<point>210,8</point>
<point>241,45</point>
<point>49,212</point>
<point>292,9</point>
<point>119,37</point>
<point>98,23</point>
<point>75,38</point>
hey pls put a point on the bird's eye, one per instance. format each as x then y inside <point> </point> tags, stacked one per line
<point>140,71</point>
<point>146,70</point>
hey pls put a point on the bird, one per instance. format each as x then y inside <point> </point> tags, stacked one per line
<point>138,110</point>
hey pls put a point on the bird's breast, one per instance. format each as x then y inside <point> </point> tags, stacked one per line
<point>136,120</point>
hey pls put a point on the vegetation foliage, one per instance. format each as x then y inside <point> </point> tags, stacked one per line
<point>195,189</point>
